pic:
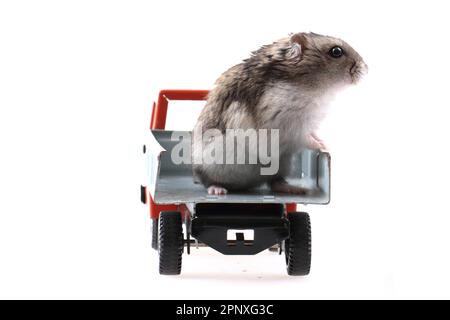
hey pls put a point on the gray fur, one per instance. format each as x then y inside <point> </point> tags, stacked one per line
<point>285,85</point>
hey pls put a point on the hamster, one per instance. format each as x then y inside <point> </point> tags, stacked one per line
<point>286,85</point>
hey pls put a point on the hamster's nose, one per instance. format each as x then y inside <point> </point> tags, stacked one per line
<point>359,67</point>
<point>358,70</point>
<point>364,69</point>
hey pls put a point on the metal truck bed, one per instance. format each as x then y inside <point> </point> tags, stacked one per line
<point>170,183</point>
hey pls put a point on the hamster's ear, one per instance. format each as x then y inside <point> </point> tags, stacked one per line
<point>298,41</point>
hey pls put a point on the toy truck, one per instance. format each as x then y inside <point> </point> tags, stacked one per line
<point>241,223</point>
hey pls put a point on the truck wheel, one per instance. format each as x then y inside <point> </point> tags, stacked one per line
<point>170,244</point>
<point>155,234</point>
<point>298,245</point>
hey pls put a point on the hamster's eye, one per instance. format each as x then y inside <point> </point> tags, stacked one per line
<point>336,52</point>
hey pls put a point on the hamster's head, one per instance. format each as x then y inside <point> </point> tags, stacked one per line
<point>324,60</point>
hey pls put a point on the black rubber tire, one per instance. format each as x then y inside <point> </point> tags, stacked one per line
<point>155,234</point>
<point>170,245</point>
<point>298,246</point>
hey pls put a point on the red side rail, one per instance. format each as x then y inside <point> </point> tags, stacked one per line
<point>159,114</point>
<point>158,121</point>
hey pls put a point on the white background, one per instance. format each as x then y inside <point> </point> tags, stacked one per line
<point>77,80</point>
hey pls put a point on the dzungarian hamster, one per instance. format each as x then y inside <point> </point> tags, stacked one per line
<point>285,85</point>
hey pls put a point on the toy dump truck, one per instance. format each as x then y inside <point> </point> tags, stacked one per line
<point>183,213</point>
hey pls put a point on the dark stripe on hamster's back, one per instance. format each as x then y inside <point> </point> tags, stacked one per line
<point>246,83</point>
<point>250,85</point>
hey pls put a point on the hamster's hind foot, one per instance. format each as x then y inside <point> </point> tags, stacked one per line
<point>216,190</point>
<point>282,186</point>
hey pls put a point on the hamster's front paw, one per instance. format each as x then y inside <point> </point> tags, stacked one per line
<point>216,190</point>
<point>316,143</point>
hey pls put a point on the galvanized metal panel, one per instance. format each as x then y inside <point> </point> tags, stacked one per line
<point>170,183</point>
